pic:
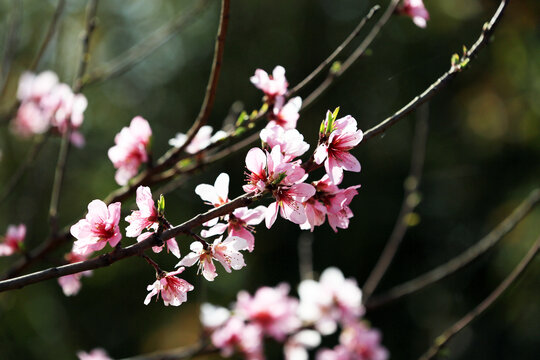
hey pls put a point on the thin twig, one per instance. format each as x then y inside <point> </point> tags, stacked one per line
<point>30,158</point>
<point>462,259</point>
<point>336,52</point>
<point>64,147</point>
<point>49,35</point>
<point>305,255</point>
<point>441,340</point>
<point>481,42</point>
<point>410,201</point>
<point>146,47</point>
<point>11,41</point>
<point>208,103</point>
<point>353,57</point>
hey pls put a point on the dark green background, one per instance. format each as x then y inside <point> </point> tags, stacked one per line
<point>482,159</point>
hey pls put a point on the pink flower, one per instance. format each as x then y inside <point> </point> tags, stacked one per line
<point>235,335</point>
<point>273,85</point>
<point>240,224</point>
<point>146,218</point>
<point>173,290</point>
<point>216,195</point>
<point>212,316</point>
<point>270,169</point>
<point>71,284</point>
<point>130,149</point>
<point>331,300</point>
<point>13,240</point>
<point>289,201</point>
<point>226,252</point>
<point>33,87</point>
<point>329,200</point>
<point>270,309</point>
<point>96,354</point>
<point>336,139</point>
<point>291,142</point>
<point>363,343</point>
<point>46,103</point>
<point>30,120</point>
<point>416,10</point>
<point>202,139</point>
<point>98,228</point>
<point>286,115</point>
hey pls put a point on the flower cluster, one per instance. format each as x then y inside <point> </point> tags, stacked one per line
<point>130,150</point>
<point>296,323</point>
<point>45,103</point>
<point>13,241</point>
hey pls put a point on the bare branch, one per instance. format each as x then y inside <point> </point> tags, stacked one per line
<point>408,205</point>
<point>134,55</point>
<point>208,103</point>
<point>463,259</point>
<point>49,35</point>
<point>353,57</point>
<point>481,42</point>
<point>336,52</point>
<point>484,305</point>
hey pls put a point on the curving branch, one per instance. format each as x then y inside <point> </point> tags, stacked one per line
<point>134,55</point>
<point>441,340</point>
<point>408,205</point>
<point>208,103</point>
<point>465,258</point>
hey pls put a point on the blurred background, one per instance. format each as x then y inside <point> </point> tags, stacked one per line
<point>482,159</point>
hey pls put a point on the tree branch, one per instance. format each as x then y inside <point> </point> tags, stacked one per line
<point>410,201</point>
<point>132,250</point>
<point>484,305</point>
<point>335,53</point>
<point>461,260</point>
<point>208,103</point>
<point>11,40</point>
<point>353,57</point>
<point>481,42</point>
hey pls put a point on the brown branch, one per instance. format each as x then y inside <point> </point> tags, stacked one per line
<point>140,51</point>
<point>49,35</point>
<point>441,340</point>
<point>353,57</point>
<point>408,205</point>
<point>132,250</point>
<point>462,259</point>
<point>64,147</point>
<point>481,42</point>
<point>208,103</point>
<point>336,52</point>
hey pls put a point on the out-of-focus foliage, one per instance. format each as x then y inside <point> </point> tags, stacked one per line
<point>482,159</point>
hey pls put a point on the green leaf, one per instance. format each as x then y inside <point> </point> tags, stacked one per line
<point>241,118</point>
<point>455,60</point>
<point>161,204</point>
<point>336,66</point>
